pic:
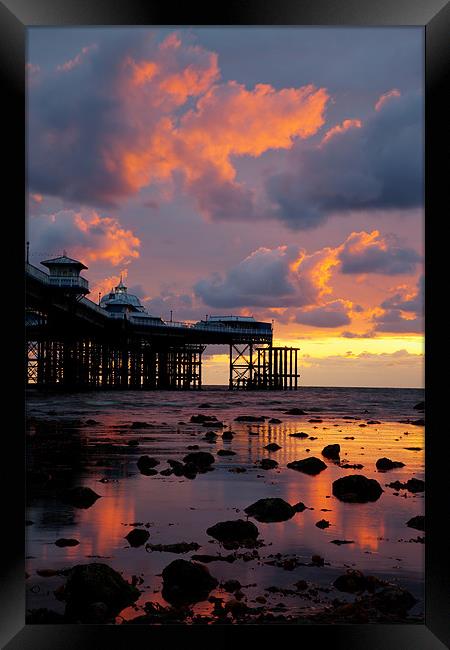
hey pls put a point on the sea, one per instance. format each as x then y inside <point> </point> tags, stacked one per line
<point>88,439</point>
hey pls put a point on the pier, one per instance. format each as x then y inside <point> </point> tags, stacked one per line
<point>73,343</point>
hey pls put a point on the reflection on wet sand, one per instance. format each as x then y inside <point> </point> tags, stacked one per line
<point>178,509</point>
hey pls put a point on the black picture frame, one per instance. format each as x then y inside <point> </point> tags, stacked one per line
<point>15,17</point>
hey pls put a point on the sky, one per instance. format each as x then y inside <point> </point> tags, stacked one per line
<point>273,172</point>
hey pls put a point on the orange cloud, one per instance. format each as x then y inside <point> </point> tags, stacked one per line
<point>341,128</point>
<point>386,97</point>
<point>104,286</point>
<point>116,244</point>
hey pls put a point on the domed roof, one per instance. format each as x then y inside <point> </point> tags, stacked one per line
<point>119,297</point>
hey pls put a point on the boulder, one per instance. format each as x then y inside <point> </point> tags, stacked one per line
<point>63,541</point>
<point>311,465</point>
<point>275,421</point>
<point>231,586</point>
<point>201,419</point>
<point>250,418</point>
<point>267,463</point>
<point>299,434</point>
<point>140,425</point>
<point>415,485</point>
<point>226,452</point>
<point>146,465</point>
<point>272,446</point>
<point>200,459</point>
<point>270,510</point>
<point>96,583</point>
<point>227,435</point>
<point>239,531</point>
<point>356,488</point>
<point>332,452</point>
<point>351,582</point>
<point>323,523</point>
<point>137,537</point>
<point>393,600</point>
<point>417,522</point>
<point>384,464</point>
<point>295,411</point>
<point>299,507</point>
<point>80,497</point>
<point>186,582</point>
<point>181,547</point>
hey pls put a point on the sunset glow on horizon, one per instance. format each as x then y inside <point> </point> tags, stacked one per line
<point>273,172</point>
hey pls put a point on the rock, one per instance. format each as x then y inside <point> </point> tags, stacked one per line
<point>227,435</point>
<point>231,586</point>
<point>310,465</point>
<point>393,600</point>
<point>186,582</point>
<point>140,425</point>
<point>373,422</point>
<point>415,485</point>
<point>420,406</point>
<point>339,542</point>
<point>412,485</point>
<point>239,531</point>
<point>181,547</point>
<point>296,411</point>
<point>332,452</point>
<point>166,472</point>
<point>133,443</point>
<point>300,434</point>
<point>315,420</point>
<point>193,447</point>
<point>210,436</point>
<point>317,560</point>
<point>137,537</point>
<point>250,418</point>
<point>94,422</point>
<point>80,497</point>
<point>190,470</point>
<point>226,452</point>
<point>351,582</point>
<point>356,488</point>
<point>66,542</point>
<point>200,419</point>
<point>214,425</point>
<point>350,466</point>
<point>267,463</point>
<point>214,558</point>
<point>96,583</point>
<point>146,464</point>
<point>419,423</point>
<point>417,522</point>
<point>275,421</point>
<point>206,405</point>
<point>299,507</point>
<point>47,573</point>
<point>270,510</point>
<point>413,448</point>
<point>272,446</point>
<point>200,459</point>
<point>384,464</point>
<point>323,523</point>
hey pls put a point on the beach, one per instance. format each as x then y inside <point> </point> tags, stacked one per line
<point>290,572</point>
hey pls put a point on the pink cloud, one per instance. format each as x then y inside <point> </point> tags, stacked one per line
<point>386,97</point>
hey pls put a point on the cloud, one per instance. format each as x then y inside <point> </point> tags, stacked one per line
<point>376,166</point>
<point>77,60</point>
<point>403,312</point>
<point>332,314</point>
<point>364,252</point>
<point>386,97</point>
<point>341,128</point>
<point>85,234</point>
<point>273,278</point>
<point>134,111</point>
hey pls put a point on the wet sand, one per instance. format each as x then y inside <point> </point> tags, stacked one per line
<point>64,450</point>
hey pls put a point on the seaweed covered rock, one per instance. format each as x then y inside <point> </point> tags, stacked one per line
<point>356,488</point>
<point>332,452</point>
<point>137,537</point>
<point>146,465</point>
<point>186,582</point>
<point>80,497</point>
<point>267,463</point>
<point>238,530</point>
<point>417,522</point>
<point>311,465</point>
<point>351,582</point>
<point>89,584</point>
<point>384,464</point>
<point>270,510</point>
<point>200,459</point>
<point>272,446</point>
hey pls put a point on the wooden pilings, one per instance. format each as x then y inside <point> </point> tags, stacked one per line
<point>270,368</point>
